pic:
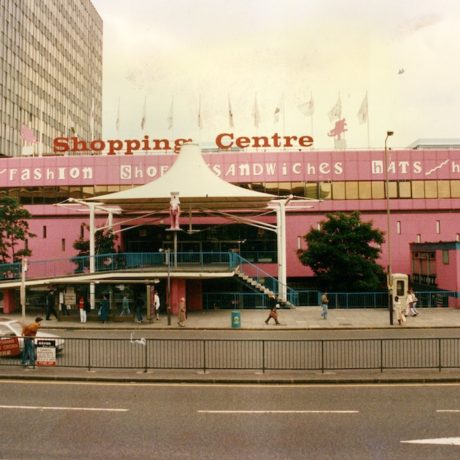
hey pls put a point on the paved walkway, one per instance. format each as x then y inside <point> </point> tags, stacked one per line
<point>307,318</point>
<point>300,318</point>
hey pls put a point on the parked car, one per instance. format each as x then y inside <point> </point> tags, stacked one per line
<point>12,329</point>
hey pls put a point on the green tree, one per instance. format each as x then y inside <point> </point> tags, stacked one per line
<point>104,243</point>
<point>343,253</point>
<point>14,229</point>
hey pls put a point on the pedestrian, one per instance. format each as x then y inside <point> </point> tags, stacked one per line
<point>50,307</point>
<point>87,307</point>
<point>273,310</point>
<point>125,306</point>
<point>139,305</point>
<point>156,304</point>
<point>28,352</point>
<point>399,310</point>
<point>81,307</point>
<point>182,312</point>
<point>62,305</point>
<point>104,309</point>
<point>324,304</point>
<point>411,303</point>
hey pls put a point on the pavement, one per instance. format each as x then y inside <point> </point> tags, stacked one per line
<point>298,319</point>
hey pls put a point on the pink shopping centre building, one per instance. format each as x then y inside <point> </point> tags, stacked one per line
<point>423,205</point>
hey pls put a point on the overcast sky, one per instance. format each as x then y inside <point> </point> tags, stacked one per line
<point>404,53</point>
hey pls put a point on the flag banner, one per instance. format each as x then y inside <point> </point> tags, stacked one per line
<point>336,111</point>
<point>199,119</point>
<point>27,135</point>
<point>91,119</point>
<point>230,114</point>
<point>117,122</point>
<point>171,115</point>
<point>256,113</point>
<point>144,115</point>
<point>363,113</point>
<point>307,108</point>
<point>28,140</point>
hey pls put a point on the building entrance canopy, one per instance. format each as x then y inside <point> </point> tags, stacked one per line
<point>197,186</point>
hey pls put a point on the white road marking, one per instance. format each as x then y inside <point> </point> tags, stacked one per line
<point>447,441</point>
<point>94,409</point>
<point>448,410</point>
<point>278,411</point>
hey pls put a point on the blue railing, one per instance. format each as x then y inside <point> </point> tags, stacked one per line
<point>51,268</point>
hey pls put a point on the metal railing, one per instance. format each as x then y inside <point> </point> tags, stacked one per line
<point>262,355</point>
<point>263,278</point>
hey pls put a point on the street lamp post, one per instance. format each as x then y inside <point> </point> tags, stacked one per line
<point>167,253</point>
<point>387,195</point>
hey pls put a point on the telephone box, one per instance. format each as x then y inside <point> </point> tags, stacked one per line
<point>399,284</point>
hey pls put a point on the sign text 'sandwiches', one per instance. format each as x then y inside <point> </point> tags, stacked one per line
<point>223,141</point>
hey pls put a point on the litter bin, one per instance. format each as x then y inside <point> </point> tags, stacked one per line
<point>236,319</point>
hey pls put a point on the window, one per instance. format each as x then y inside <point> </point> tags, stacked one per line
<point>398,227</point>
<point>378,190</point>
<point>438,227</point>
<point>63,244</point>
<point>351,189</point>
<point>44,232</point>
<point>418,189</point>
<point>365,190</point>
<point>404,189</point>
<point>445,257</point>
<point>338,190</point>
<point>431,189</point>
<point>443,189</point>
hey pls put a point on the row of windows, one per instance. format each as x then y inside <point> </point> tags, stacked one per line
<point>362,190</point>
<point>352,190</point>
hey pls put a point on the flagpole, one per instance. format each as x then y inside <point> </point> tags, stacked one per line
<point>283,104</point>
<point>368,130</point>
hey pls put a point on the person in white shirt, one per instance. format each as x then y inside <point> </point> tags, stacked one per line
<point>156,304</point>
<point>411,303</point>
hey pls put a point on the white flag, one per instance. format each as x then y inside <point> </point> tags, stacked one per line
<point>307,108</point>
<point>276,114</point>
<point>336,111</point>
<point>91,119</point>
<point>363,114</point>
<point>230,114</point>
<point>199,120</point>
<point>171,115</point>
<point>117,121</point>
<point>144,114</point>
<point>256,113</point>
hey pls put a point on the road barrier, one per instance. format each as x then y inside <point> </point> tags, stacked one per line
<point>240,354</point>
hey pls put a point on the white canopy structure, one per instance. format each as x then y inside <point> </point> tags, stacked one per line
<point>198,189</point>
<point>197,186</point>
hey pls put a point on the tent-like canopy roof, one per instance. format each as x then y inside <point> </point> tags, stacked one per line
<point>197,185</point>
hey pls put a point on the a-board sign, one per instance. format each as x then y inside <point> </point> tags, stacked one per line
<point>46,352</point>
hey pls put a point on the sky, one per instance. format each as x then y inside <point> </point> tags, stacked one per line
<point>195,56</point>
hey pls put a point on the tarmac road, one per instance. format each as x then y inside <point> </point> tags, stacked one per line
<point>52,420</point>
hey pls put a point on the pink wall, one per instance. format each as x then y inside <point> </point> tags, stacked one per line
<point>234,167</point>
<point>416,217</point>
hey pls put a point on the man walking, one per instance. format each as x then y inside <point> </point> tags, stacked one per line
<point>28,352</point>
<point>324,305</point>
<point>50,306</point>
